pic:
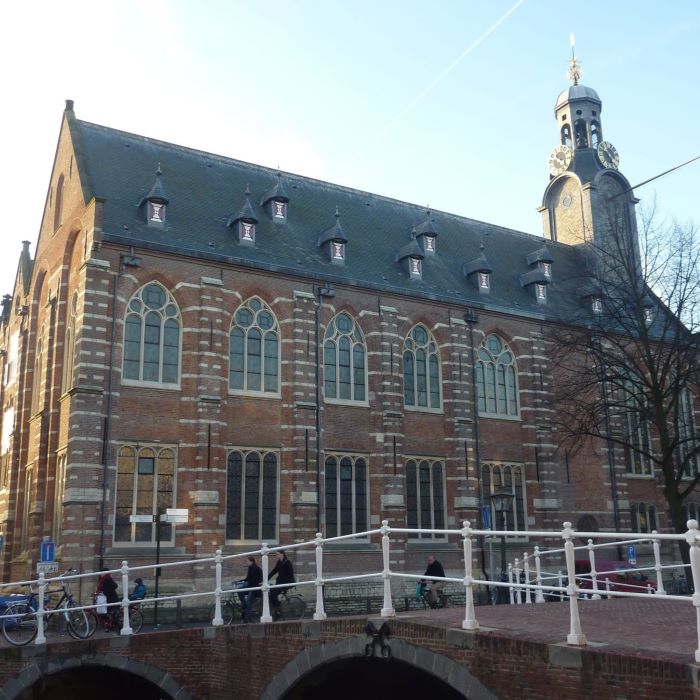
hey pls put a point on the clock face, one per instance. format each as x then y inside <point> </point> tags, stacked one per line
<point>560,160</point>
<point>608,155</point>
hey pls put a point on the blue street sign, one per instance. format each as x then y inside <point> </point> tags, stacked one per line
<point>2,542</point>
<point>631,554</point>
<point>48,550</point>
<point>486,517</point>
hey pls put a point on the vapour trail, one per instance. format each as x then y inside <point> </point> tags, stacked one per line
<point>461,57</point>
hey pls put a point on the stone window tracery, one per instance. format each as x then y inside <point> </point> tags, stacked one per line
<point>496,378</point>
<point>421,370</point>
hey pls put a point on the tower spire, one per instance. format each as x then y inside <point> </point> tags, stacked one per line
<point>575,69</point>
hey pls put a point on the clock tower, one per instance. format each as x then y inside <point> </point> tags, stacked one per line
<point>587,200</point>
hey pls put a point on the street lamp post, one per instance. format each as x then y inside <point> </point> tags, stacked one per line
<point>502,501</point>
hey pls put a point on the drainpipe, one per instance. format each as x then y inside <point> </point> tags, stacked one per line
<point>325,292</point>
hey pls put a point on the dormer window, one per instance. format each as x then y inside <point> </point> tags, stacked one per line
<point>478,272</point>
<point>279,210</point>
<point>156,212</point>
<point>597,305</point>
<point>275,202</point>
<point>541,292</point>
<point>484,281</point>
<point>547,269</point>
<point>338,251</point>
<point>426,234</point>
<point>429,244</point>
<point>247,232</point>
<point>648,315</point>
<point>155,203</point>
<point>415,268</point>
<point>244,222</point>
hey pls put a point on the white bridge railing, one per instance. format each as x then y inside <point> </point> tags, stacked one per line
<point>467,534</point>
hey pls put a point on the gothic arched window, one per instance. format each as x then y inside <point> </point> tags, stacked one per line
<point>344,360</point>
<point>58,203</point>
<point>421,370</point>
<point>152,337</point>
<point>69,346</point>
<point>254,349</point>
<point>508,477</point>
<point>496,378</point>
<point>346,495</point>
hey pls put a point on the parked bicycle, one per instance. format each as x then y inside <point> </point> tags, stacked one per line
<point>20,625</point>
<point>292,607</point>
<point>113,620</point>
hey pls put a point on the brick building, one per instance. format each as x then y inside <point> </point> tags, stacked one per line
<point>203,333</point>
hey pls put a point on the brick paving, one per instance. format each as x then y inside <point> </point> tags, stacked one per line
<point>657,628</point>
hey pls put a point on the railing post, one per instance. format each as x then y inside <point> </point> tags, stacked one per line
<point>40,636</point>
<point>126,622</point>
<point>560,578</point>
<point>388,607</point>
<point>576,635</point>
<point>218,620</point>
<point>594,573</point>
<point>660,590</point>
<point>526,567</point>
<point>511,591</point>
<point>469,622</point>
<point>539,594</point>
<point>691,537</point>
<point>265,617</point>
<point>607,586</point>
<point>516,577</point>
<point>320,613</point>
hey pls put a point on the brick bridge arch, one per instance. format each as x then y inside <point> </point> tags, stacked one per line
<point>312,659</point>
<point>43,669</point>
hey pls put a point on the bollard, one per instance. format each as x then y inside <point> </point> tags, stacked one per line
<point>40,636</point>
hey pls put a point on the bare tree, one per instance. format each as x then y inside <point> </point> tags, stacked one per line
<point>627,364</point>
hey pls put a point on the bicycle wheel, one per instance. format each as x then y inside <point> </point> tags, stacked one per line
<point>93,621</point>
<point>228,611</point>
<point>294,608</point>
<point>77,621</point>
<point>21,627</point>
<point>135,620</point>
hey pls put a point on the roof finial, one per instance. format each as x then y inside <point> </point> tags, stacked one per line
<point>247,190</point>
<point>337,212</point>
<point>575,70</point>
<point>159,172</point>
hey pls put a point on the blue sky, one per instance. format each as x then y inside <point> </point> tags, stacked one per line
<point>448,104</point>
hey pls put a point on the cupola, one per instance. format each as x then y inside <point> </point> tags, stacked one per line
<point>244,222</point>
<point>275,202</point>
<point>155,202</point>
<point>333,242</point>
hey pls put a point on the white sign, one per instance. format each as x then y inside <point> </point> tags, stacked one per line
<point>141,518</point>
<point>47,567</point>
<point>176,515</point>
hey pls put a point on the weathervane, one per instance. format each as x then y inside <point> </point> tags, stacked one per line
<point>575,70</point>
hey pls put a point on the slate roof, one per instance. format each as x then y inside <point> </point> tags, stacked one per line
<point>204,191</point>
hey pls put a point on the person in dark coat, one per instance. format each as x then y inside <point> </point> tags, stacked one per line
<point>254,577</point>
<point>432,574</point>
<point>108,587</point>
<point>285,574</point>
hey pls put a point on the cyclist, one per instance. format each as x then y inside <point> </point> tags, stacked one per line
<point>254,577</point>
<point>108,587</point>
<point>140,590</point>
<point>433,586</point>
<point>285,574</point>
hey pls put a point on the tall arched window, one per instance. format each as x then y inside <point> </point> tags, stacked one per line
<point>152,337</point>
<point>425,497</point>
<point>344,366</point>
<point>251,495</point>
<point>421,370</point>
<point>38,367</point>
<point>566,135</point>
<point>58,203</point>
<point>69,348</point>
<point>509,477</point>
<point>59,489</point>
<point>145,485</point>
<point>346,495</point>
<point>496,378</point>
<point>254,349</point>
